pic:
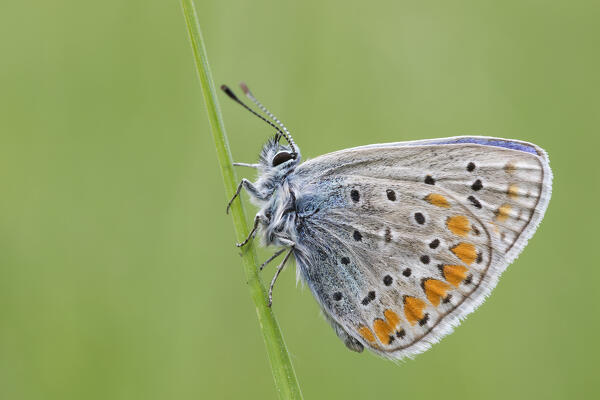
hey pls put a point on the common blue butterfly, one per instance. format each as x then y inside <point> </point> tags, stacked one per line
<point>398,242</point>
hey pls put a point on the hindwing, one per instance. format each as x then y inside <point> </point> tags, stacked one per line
<point>399,242</point>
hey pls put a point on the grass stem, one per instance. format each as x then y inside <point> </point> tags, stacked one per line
<point>286,382</point>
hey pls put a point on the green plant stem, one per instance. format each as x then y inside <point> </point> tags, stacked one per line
<point>286,382</point>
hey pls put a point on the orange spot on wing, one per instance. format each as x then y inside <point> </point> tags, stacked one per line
<point>503,212</point>
<point>392,318</point>
<point>513,191</point>
<point>510,168</point>
<point>413,309</point>
<point>437,200</point>
<point>382,330</point>
<point>466,252</point>
<point>435,290</point>
<point>366,333</point>
<point>455,274</point>
<point>459,225</point>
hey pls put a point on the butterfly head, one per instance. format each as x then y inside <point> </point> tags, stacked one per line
<point>277,157</point>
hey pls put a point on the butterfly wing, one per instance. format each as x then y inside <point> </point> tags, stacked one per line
<point>399,242</point>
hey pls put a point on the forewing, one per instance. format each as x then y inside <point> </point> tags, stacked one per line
<point>399,242</point>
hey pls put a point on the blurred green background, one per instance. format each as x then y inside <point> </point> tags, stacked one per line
<point>118,274</point>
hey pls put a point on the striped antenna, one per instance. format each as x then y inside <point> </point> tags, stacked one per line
<point>264,109</point>
<point>280,133</point>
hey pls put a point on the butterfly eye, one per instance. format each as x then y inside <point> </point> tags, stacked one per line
<point>281,158</point>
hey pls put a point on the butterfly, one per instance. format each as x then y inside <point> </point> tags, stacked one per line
<point>398,242</point>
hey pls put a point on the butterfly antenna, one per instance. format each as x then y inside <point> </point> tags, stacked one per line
<point>232,95</point>
<point>264,109</point>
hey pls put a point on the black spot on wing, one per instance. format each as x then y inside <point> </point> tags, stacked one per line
<point>388,235</point>
<point>368,298</point>
<point>391,195</point>
<point>474,201</point>
<point>420,218</point>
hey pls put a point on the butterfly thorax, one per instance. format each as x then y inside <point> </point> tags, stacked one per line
<point>280,216</point>
<point>275,195</point>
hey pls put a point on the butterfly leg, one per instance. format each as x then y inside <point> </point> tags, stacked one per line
<point>251,234</point>
<point>243,164</point>
<point>250,188</point>
<point>279,268</point>
<point>274,256</point>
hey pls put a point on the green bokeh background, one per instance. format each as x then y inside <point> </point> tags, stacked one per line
<point>118,274</point>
